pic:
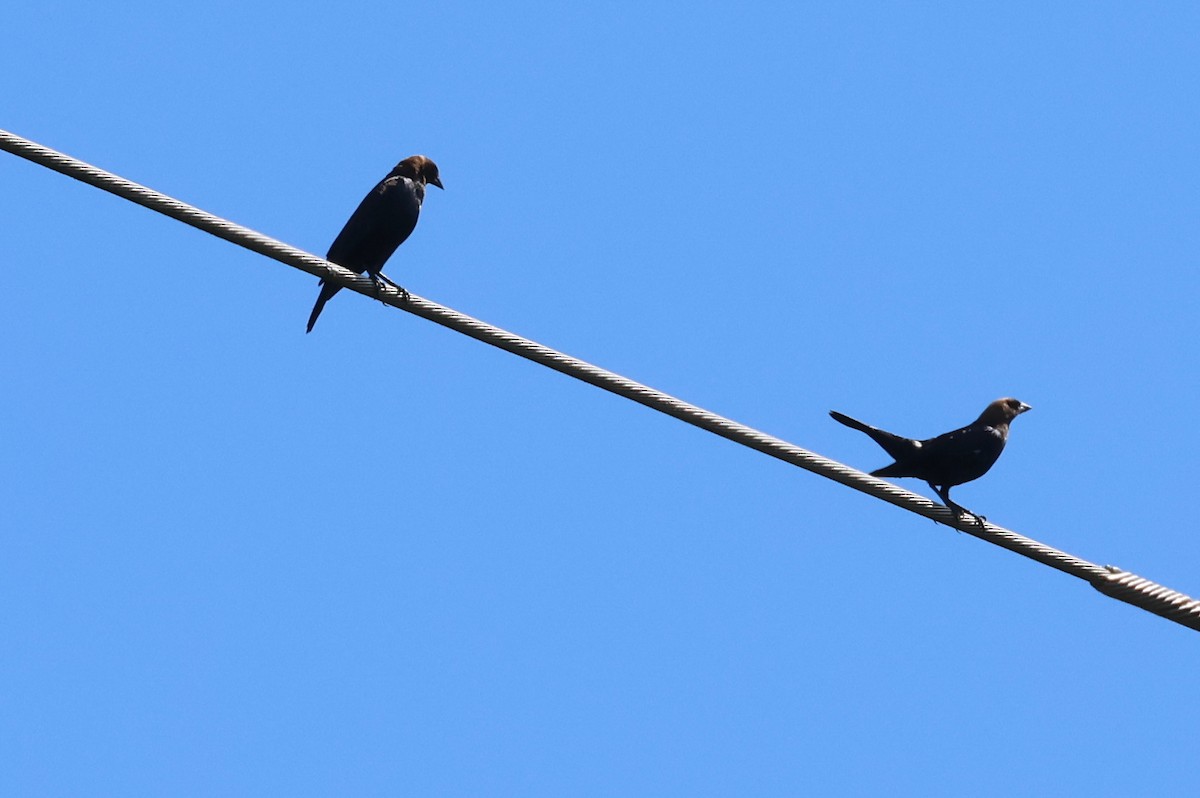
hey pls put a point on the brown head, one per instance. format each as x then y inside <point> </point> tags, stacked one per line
<point>1002,411</point>
<point>418,167</point>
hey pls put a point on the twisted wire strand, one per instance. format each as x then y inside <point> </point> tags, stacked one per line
<point>1140,592</point>
<point>1109,580</point>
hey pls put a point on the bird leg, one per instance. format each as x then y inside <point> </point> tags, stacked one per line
<point>945,497</point>
<point>957,509</point>
<point>380,279</point>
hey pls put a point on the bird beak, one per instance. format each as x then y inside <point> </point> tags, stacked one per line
<point>438,183</point>
<point>1023,408</point>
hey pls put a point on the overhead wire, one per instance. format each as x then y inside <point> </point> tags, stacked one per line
<point>1109,580</point>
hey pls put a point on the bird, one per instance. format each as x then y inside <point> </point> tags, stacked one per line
<point>383,220</point>
<point>950,459</point>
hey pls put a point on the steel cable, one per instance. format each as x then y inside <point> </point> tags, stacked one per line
<point>1109,580</point>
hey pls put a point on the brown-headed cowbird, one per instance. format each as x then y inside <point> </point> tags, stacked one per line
<point>950,459</point>
<point>384,218</point>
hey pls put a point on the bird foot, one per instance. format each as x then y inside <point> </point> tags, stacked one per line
<point>963,511</point>
<point>382,281</point>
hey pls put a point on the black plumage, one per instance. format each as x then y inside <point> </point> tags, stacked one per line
<point>383,220</point>
<point>950,459</point>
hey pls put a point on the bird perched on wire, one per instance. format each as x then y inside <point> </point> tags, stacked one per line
<point>383,220</point>
<point>949,459</point>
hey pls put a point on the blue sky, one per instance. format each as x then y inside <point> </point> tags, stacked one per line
<point>384,559</point>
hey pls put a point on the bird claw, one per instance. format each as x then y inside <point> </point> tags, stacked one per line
<point>382,281</point>
<point>963,511</point>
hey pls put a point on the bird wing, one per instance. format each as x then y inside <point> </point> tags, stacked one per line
<point>381,223</point>
<point>963,454</point>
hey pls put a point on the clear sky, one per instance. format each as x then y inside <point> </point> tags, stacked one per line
<point>384,559</point>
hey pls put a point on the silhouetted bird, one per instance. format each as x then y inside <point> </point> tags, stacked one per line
<point>950,459</point>
<point>382,221</point>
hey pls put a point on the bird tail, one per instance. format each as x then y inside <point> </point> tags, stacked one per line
<point>852,423</point>
<point>895,445</point>
<point>327,292</point>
